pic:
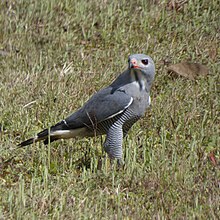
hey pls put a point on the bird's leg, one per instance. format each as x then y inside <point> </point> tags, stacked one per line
<point>113,143</point>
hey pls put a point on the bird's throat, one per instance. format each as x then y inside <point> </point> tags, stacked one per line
<point>136,76</point>
<point>139,80</point>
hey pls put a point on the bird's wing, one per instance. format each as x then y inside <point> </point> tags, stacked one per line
<point>103,105</point>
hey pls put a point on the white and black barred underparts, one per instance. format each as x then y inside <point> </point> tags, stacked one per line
<point>115,128</point>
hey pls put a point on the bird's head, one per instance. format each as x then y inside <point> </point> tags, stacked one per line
<point>142,68</point>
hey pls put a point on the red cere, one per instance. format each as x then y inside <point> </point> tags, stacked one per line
<point>135,66</point>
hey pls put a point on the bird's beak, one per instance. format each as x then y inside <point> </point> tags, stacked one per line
<point>133,64</point>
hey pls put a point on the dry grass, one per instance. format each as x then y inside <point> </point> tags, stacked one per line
<point>54,56</point>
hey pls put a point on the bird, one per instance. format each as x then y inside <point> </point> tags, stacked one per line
<point>112,111</point>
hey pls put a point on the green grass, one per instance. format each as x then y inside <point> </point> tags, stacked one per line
<point>58,54</point>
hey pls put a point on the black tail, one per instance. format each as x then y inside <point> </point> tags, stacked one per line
<point>44,135</point>
<point>40,136</point>
<point>27,142</point>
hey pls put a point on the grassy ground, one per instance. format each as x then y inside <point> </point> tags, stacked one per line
<point>54,56</point>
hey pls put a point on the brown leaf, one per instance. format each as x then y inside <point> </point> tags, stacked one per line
<point>213,159</point>
<point>189,70</point>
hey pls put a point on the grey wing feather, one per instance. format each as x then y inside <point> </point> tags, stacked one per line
<point>101,106</point>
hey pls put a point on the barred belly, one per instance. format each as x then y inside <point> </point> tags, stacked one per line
<point>116,128</point>
<point>126,119</point>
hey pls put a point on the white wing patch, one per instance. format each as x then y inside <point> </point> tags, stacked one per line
<point>149,100</point>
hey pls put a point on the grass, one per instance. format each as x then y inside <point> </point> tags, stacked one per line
<point>56,54</point>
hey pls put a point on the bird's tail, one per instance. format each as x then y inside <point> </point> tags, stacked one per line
<point>27,142</point>
<point>44,135</point>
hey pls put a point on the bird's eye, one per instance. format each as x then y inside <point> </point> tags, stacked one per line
<point>144,61</point>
